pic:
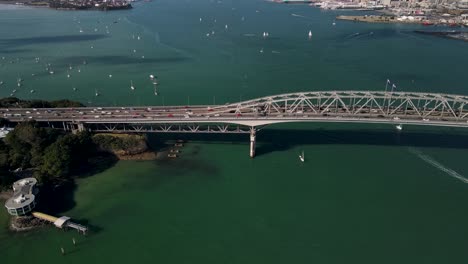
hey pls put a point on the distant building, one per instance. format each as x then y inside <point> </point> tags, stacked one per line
<point>23,200</point>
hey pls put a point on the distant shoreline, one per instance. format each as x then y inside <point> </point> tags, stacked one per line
<point>97,5</point>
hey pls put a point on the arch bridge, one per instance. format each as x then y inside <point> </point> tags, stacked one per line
<point>399,108</point>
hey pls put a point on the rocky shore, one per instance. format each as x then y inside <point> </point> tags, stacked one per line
<point>25,223</point>
<point>125,146</point>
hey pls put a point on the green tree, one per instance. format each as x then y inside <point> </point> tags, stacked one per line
<point>56,162</point>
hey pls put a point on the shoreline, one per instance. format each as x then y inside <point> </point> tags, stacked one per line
<point>97,5</point>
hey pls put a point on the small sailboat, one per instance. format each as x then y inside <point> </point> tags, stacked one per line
<point>264,34</point>
<point>32,91</point>
<point>68,75</point>
<point>226,26</point>
<point>261,50</point>
<point>131,86</point>
<point>201,19</point>
<point>14,91</point>
<point>97,94</point>
<point>302,157</point>
<point>310,34</point>
<point>81,30</point>
<point>19,84</point>
<point>151,76</point>
<point>399,127</point>
<point>138,38</point>
<point>79,70</point>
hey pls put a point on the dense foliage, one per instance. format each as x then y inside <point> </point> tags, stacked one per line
<point>9,102</point>
<point>52,153</point>
<point>126,143</point>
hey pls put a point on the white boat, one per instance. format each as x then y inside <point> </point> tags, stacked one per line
<point>138,38</point>
<point>97,94</point>
<point>334,23</point>
<point>81,31</point>
<point>110,75</point>
<point>51,72</point>
<point>151,76</point>
<point>68,75</point>
<point>131,85</point>
<point>310,34</point>
<point>74,89</point>
<point>32,91</point>
<point>19,84</point>
<point>302,157</point>
<point>399,127</point>
<point>1,82</point>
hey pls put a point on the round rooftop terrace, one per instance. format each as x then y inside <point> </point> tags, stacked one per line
<point>23,199</point>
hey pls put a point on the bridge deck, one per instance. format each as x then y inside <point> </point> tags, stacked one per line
<point>328,106</point>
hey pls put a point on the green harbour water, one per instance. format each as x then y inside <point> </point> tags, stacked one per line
<point>366,194</point>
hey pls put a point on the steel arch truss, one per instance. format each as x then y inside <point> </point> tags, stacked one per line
<point>359,104</point>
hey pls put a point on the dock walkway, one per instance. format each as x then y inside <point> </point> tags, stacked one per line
<point>61,222</point>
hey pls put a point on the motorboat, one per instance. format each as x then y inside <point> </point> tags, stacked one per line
<point>302,157</point>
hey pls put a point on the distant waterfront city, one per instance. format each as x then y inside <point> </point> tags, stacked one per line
<point>249,131</point>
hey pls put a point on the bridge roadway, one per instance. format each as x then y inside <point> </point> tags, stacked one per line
<point>247,116</point>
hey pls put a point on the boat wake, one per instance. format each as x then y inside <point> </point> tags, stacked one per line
<point>296,15</point>
<point>437,165</point>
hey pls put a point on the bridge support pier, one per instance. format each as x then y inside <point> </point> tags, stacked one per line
<point>252,141</point>
<point>81,127</point>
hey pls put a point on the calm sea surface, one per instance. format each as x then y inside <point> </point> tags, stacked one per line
<point>365,194</point>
